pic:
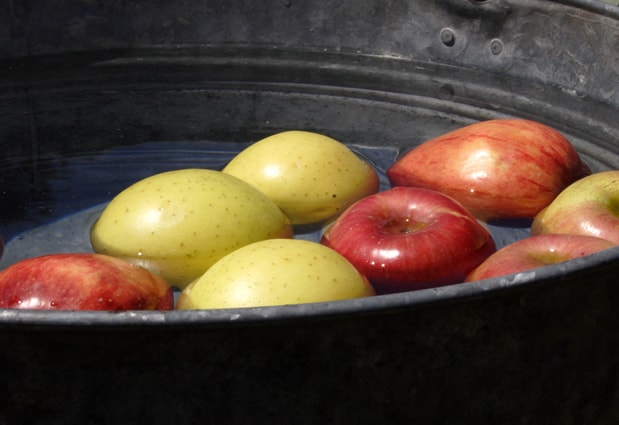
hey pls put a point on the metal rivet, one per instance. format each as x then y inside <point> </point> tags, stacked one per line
<point>448,37</point>
<point>446,92</point>
<point>496,46</point>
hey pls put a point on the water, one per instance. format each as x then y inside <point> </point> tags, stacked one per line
<point>50,205</point>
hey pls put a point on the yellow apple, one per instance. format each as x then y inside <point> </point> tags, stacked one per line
<point>276,272</point>
<point>589,206</point>
<point>178,223</point>
<point>311,177</point>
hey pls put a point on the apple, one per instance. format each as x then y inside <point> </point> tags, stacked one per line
<point>408,238</point>
<point>82,281</point>
<point>589,206</point>
<point>497,169</point>
<point>537,251</point>
<point>276,272</point>
<point>310,176</point>
<point>1,246</point>
<point>179,223</point>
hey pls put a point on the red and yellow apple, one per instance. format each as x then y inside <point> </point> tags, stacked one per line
<point>310,176</point>
<point>409,238</point>
<point>179,223</point>
<point>276,272</point>
<point>537,251</point>
<point>498,169</point>
<point>589,206</point>
<point>82,281</point>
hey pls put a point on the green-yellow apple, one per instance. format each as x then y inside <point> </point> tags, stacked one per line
<point>537,251</point>
<point>82,281</point>
<point>589,206</point>
<point>498,169</point>
<point>276,272</point>
<point>310,176</point>
<point>178,223</point>
<point>409,238</point>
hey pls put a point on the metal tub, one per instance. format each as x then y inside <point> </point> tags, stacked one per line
<point>81,77</point>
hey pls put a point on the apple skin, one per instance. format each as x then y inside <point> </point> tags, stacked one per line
<point>409,238</point>
<point>276,272</point>
<point>497,169</point>
<point>82,281</point>
<point>179,223</point>
<point>537,251</point>
<point>589,206</point>
<point>310,176</point>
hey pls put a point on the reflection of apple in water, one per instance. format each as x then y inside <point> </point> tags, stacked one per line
<point>506,168</point>
<point>589,206</point>
<point>537,251</point>
<point>410,238</point>
<point>82,281</point>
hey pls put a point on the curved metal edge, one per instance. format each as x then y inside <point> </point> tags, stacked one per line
<point>595,6</point>
<point>272,316</point>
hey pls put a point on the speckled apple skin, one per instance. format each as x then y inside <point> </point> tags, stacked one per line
<point>310,176</point>
<point>276,272</point>
<point>179,223</point>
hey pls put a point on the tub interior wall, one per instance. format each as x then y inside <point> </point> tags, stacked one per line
<point>187,69</point>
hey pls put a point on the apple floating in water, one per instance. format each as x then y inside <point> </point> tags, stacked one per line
<point>276,272</point>
<point>497,169</point>
<point>310,176</point>
<point>179,223</point>
<point>589,206</point>
<point>82,281</point>
<point>409,238</point>
<point>537,251</point>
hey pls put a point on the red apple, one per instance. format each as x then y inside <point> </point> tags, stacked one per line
<point>82,282</point>
<point>409,238</point>
<point>1,246</point>
<point>537,251</point>
<point>589,206</point>
<point>498,169</point>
